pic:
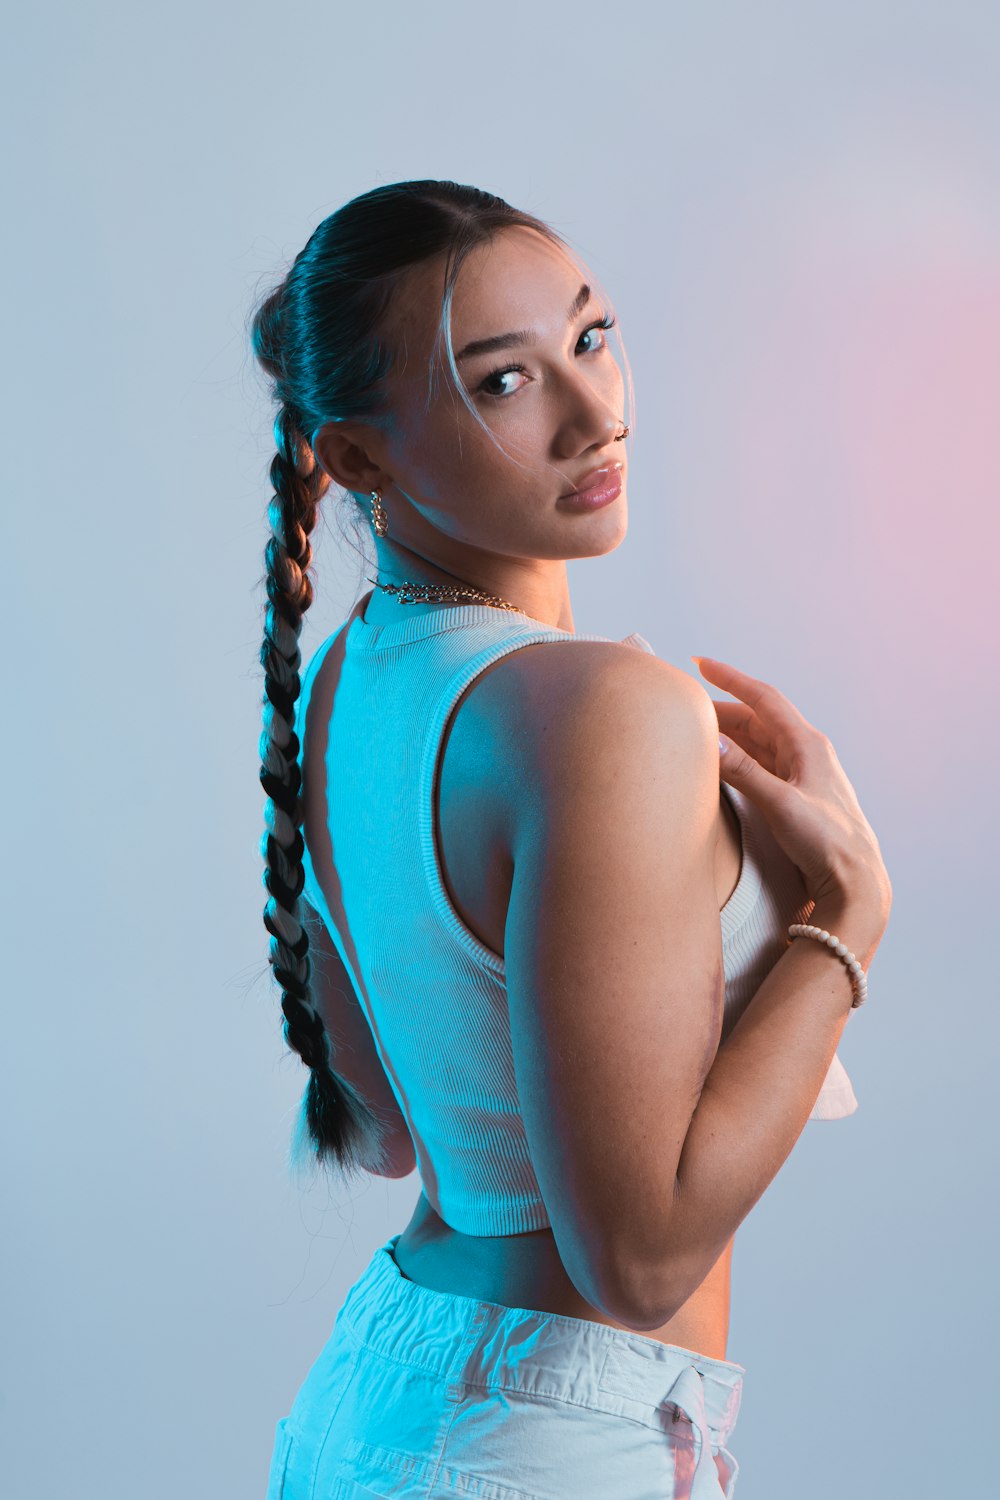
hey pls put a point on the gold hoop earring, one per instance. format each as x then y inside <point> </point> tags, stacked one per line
<point>380,521</point>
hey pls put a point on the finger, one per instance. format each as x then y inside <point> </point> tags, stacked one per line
<point>781,752</point>
<point>755,745</point>
<point>740,722</point>
<point>738,719</point>
<point>763,697</point>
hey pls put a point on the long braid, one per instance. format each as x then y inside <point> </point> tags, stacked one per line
<point>327,338</point>
<point>334,1121</point>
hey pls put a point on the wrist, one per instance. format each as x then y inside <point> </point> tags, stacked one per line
<point>858,926</point>
<point>836,946</point>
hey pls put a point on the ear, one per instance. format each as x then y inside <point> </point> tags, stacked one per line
<point>348,451</point>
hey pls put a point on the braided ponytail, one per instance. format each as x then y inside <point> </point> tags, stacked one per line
<point>334,1120</point>
<point>324,338</point>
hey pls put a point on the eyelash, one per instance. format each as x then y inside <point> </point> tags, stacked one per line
<point>513,368</point>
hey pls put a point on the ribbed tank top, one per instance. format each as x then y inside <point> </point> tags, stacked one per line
<point>434,995</point>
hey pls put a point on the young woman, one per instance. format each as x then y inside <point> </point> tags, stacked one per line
<point>531,932</point>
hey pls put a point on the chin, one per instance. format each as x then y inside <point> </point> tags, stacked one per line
<point>607,531</point>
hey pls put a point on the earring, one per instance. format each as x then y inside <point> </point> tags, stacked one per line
<point>380,521</point>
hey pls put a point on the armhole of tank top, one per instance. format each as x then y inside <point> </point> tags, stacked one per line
<point>309,888</point>
<point>749,888</point>
<point>429,766</point>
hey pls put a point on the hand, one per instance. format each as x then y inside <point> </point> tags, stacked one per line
<point>789,769</point>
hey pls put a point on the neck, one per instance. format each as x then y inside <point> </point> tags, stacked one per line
<point>539,593</point>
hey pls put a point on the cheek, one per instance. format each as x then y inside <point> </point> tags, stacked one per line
<point>515,447</point>
<point>506,457</point>
<point>492,461</point>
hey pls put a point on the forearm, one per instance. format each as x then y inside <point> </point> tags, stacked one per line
<point>760,1092</point>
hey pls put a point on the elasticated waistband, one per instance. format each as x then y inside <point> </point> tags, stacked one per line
<point>485,1344</point>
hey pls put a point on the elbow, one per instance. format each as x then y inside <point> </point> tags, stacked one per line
<point>639,1295</point>
<point>400,1159</point>
<point>648,1294</point>
<point>397,1169</point>
<point>642,1305</point>
<point>648,1288</point>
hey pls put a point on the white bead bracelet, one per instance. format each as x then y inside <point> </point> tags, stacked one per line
<point>859,980</point>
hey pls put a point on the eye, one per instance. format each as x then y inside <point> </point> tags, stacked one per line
<point>605,322</point>
<point>513,368</point>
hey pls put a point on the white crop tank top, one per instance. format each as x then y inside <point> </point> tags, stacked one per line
<point>433,993</point>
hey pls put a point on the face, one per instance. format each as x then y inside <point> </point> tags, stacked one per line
<point>489,511</point>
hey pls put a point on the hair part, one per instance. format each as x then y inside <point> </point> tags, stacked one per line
<point>322,338</point>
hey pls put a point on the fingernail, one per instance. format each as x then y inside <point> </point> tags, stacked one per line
<point>723,744</point>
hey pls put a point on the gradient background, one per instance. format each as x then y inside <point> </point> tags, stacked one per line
<point>795,209</point>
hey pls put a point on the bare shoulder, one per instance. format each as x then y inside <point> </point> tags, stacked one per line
<point>545,704</point>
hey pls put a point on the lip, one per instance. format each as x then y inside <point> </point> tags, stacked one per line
<point>601,487</point>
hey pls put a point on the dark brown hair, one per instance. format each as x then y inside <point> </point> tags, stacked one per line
<point>323,338</point>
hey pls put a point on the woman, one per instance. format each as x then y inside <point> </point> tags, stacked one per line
<point>525,942</point>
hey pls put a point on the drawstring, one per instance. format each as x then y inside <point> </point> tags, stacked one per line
<point>688,1395</point>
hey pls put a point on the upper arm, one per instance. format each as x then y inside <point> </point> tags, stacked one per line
<point>613,951</point>
<point>353,1052</point>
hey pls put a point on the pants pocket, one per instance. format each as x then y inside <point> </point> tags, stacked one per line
<point>387,1474</point>
<point>450,1483</point>
<point>350,1489</point>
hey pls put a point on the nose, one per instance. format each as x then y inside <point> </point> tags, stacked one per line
<point>591,415</point>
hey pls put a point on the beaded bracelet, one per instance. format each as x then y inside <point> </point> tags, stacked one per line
<point>859,980</point>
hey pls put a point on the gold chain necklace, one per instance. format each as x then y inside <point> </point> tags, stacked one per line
<point>443,593</point>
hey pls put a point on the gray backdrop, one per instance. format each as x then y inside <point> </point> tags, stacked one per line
<point>795,209</point>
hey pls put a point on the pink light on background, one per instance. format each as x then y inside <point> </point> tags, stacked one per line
<point>864,377</point>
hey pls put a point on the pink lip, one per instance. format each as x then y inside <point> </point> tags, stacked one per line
<point>607,487</point>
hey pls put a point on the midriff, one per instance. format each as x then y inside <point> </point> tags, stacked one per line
<point>525,1270</point>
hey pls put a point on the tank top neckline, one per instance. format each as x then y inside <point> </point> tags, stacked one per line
<point>361,635</point>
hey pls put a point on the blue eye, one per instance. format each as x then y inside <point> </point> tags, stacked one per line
<point>518,369</point>
<point>605,322</point>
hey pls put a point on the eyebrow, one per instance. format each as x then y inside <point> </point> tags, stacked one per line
<point>521,335</point>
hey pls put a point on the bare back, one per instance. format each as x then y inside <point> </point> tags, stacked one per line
<point>478,790</point>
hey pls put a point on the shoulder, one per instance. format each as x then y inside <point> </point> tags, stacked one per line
<point>543,707</point>
<point>545,685</point>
